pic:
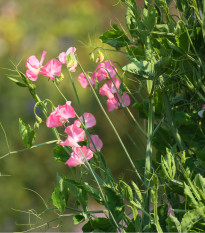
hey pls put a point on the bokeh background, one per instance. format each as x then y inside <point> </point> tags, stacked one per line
<point>27,27</point>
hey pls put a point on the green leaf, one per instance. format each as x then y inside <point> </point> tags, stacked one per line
<point>168,164</point>
<point>137,192</point>
<point>143,68</point>
<point>58,199</point>
<point>115,203</point>
<point>98,225</point>
<point>27,134</point>
<point>17,82</point>
<point>78,218</point>
<point>203,20</point>
<point>60,154</point>
<point>63,186</point>
<point>192,201</point>
<point>173,224</point>
<point>149,17</point>
<point>191,218</point>
<point>182,41</point>
<point>79,192</point>
<point>94,193</point>
<point>115,38</point>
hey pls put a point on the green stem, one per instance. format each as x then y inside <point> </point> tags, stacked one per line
<point>148,159</point>
<point>171,122</point>
<point>111,124</point>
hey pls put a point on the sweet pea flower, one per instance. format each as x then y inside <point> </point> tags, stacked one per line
<point>75,135</point>
<point>83,81</point>
<point>60,115</point>
<point>34,66</point>
<point>68,58</point>
<point>112,104</point>
<point>90,120</point>
<point>52,69</point>
<point>116,102</point>
<point>200,113</point>
<point>97,142</point>
<point>79,156</point>
<point>101,71</point>
<point>110,87</point>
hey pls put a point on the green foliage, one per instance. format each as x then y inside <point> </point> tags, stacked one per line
<point>115,37</point>
<point>60,154</point>
<point>27,134</point>
<point>98,225</point>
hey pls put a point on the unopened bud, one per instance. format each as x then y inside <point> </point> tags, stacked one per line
<point>100,57</point>
<point>92,57</point>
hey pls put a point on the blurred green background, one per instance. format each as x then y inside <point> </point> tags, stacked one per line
<point>27,27</point>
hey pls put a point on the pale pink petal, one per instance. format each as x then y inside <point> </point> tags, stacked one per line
<point>53,121</point>
<point>126,99</point>
<point>97,142</point>
<point>90,120</point>
<point>43,57</point>
<point>105,90</point>
<point>114,85</point>
<point>79,156</point>
<point>74,161</point>
<point>62,58</point>
<point>33,76</point>
<point>73,65</point>
<point>75,132</point>
<point>33,61</point>
<point>71,50</point>
<point>77,123</point>
<point>60,115</point>
<point>110,66</point>
<point>112,104</point>
<point>51,69</point>
<point>82,80</point>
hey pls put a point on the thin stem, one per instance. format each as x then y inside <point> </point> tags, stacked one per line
<point>148,159</point>
<point>111,124</point>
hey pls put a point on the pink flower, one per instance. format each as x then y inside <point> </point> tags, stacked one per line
<point>75,135</point>
<point>116,102</point>
<point>68,58</point>
<point>112,104</point>
<point>97,142</point>
<point>52,69</point>
<point>101,71</point>
<point>110,87</point>
<point>90,120</point>
<point>201,113</point>
<point>83,81</point>
<point>60,115</point>
<point>79,156</point>
<point>126,99</point>
<point>33,66</point>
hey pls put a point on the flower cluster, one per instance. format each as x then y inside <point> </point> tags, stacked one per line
<point>53,68</point>
<point>104,71</point>
<point>75,133</point>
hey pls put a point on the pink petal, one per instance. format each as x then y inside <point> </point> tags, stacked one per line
<point>105,90</point>
<point>53,121</point>
<point>60,115</point>
<point>112,104</point>
<point>43,57</point>
<point>62,58</point>
<point>90,120</point>
<point>77,123</point>
<point>110,66</point>
<point>97,141</point>
<point>126,99</point>
<point>51,69</point>
<point>79,156</point>
<point>82,80</point>
<point>33,61</point>
<point>75,132</point>
<point>33,76</point>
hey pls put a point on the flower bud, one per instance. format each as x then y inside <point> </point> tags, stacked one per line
<point>100,57</point>
<point>92,57</point>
